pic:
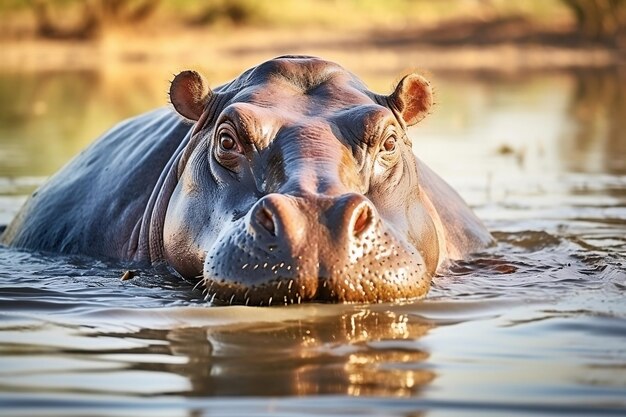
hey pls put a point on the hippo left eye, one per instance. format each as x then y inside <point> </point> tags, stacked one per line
<point>227,142</point>
<point>389,144</point>
<point>228,150</point>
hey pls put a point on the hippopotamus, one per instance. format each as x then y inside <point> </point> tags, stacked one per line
<point>291,183</point>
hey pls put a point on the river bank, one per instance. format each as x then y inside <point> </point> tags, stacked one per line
<point>509,47</point>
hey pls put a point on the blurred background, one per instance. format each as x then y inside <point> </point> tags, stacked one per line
<point>225,35</point>
<point>539,83</point>
<point>221,33</point>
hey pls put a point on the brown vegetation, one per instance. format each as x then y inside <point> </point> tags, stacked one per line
<point>92,18</point>
<point>602,20</point>
<point>457,34</point>
<point>450,21</point>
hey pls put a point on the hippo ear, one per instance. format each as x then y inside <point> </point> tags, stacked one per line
<point>412,98</point>
<point>189,94</point>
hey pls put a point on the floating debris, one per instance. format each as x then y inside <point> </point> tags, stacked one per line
<point>128,275</point>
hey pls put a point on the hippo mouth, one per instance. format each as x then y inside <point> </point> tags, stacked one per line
<point>292,257</point>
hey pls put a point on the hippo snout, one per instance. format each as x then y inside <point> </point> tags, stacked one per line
<point>290,249</point>
<point>276,219</point>
<point>286,221</point>
<point>351,217</point>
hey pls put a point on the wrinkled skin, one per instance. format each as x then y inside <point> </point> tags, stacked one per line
<point>294,183</point>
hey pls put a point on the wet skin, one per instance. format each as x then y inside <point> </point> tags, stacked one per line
<point>291,183</point>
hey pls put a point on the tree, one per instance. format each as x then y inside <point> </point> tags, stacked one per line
<point>599,19</point>
<point>93,15</point>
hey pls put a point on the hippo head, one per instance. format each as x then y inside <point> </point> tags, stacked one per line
<point>299,184</point>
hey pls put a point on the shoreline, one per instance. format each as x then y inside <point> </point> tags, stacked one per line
<point>245,47</point>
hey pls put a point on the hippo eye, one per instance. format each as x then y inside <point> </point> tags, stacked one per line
<point>227,142</point>
<point>389,144</point>
<point>228,149</point>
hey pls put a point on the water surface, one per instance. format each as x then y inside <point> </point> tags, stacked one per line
<point>533,326</point>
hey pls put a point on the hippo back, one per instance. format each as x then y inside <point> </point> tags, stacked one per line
<point>460,231</point>
<point>96,202</point>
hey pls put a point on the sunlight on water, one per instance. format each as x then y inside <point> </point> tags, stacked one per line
<point>534,325</point>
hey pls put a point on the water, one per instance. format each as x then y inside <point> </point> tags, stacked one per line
<point>533,326</point>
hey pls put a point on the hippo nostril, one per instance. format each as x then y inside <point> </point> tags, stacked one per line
<point>266,220</point>
<point>362,219</point>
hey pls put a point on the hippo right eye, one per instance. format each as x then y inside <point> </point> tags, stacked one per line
<point>390,144</point>
<point>228,150</point>
<point>227,142</point>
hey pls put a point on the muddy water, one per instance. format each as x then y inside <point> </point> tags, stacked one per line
<point>533,326</point>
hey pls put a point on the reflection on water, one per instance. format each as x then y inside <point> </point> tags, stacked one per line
<point>46,118</point>
<point>534,325</point>
<point>505,349</point>
<point>314,356</point>
<point>597,107</point>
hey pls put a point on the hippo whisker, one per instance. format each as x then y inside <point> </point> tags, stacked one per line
<point>199,283</point>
